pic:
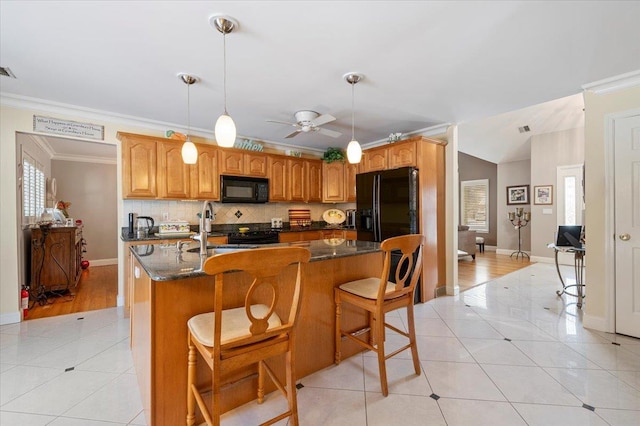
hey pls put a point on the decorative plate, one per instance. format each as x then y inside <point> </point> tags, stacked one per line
<point>334,216</point>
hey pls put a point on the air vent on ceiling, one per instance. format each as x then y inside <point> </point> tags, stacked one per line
<point>6,72</point>
<point>524,129</point>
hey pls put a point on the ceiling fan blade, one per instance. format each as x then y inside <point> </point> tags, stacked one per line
<point>282,122</point>
<point>328,132</point>
<point>323,119</point>
<point>292,134</point>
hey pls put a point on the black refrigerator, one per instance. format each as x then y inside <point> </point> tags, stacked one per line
<point>387,207</point>
<point>386,204</point>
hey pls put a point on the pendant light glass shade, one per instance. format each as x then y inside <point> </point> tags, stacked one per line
<point>225,131</point>
<point>354,152</point>
<point>189,150</point>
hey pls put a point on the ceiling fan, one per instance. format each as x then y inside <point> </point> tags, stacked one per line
<point>310,121</point>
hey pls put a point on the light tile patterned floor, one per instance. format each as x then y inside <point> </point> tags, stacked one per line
<point>509,352</point>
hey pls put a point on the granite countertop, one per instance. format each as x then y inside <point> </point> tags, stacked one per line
<point>223,230</point>
<point>163,262</point>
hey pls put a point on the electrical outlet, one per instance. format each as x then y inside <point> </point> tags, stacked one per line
<point>165,216</point>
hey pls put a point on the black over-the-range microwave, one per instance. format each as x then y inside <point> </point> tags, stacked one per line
<point>240,189</point>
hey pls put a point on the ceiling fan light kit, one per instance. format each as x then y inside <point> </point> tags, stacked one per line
<point>354,150</point>
<point>225,129</point>
<point>189,150</point>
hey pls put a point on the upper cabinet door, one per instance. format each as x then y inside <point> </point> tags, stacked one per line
<point>333,182</point>
<point>278,179</point>
<point>231,162</point>
<point>138,167</point>
<point>375,159</point>
<point>205,179</point>
<point>297,179</point>
<point>314,180</point>
<point>255,165</point>
<point>350,170</point>
<point>402,154</point>
<point>173,173</point>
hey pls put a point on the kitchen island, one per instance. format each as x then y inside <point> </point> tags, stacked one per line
<point>169,287</point>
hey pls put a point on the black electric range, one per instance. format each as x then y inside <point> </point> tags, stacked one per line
<point>253,237</point>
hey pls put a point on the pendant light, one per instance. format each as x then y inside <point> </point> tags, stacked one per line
<point>225,129</point>
<point>189,150</point>
<point>354,151</point>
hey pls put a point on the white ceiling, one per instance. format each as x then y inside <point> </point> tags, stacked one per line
<point>426,64</point>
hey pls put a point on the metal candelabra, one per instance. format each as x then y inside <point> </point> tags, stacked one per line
<point>519,219</point>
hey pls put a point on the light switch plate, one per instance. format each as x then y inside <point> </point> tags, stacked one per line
<point>547,211</point>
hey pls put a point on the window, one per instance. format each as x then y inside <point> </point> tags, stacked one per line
<point>474,204</point>
<point>570,190</point>
<point>33,189</point>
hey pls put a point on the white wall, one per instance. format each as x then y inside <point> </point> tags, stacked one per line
<point>548,151</point>
<point>514,173</point>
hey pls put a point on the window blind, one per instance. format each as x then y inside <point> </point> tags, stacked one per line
<point>474,204</point>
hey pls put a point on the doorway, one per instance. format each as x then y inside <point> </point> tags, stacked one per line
<point>85,173</point>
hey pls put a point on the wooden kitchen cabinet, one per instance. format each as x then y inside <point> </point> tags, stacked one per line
<point>139,160</point>
<point>278,178</point>
<point>238,163</point>
<point>255,164</point>
<point>375,159</point>
<point>402,154</point>
<point>333,182</point>
<point>231,162</point>
<point>313,180</point>
<point>350,170</point>
<point>56,255</point>
<point>173,174</point>
<point>297,179</point>
<point>291,237</point>
<point>205,179</point>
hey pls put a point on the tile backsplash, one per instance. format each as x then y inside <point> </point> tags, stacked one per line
<point>225,213</point>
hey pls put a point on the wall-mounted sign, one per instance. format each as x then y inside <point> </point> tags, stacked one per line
<point>249,145</point>
<point>58,126</point>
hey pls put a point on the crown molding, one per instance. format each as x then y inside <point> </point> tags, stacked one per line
<point>35,104</point>
<point>432,131</point>
<point>85,159</point>
<point>613,84</point>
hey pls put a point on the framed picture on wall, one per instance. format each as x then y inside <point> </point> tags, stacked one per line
<point>517,194</point>
<point>543,194</point>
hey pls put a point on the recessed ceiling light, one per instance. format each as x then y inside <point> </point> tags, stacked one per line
<point>6,72</point>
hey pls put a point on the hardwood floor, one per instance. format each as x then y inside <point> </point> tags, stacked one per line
<point>486,267</point>
<point>97,289</point>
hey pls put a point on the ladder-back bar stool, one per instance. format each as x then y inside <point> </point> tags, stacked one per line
<point>264,327</point>
<point>378,295</point>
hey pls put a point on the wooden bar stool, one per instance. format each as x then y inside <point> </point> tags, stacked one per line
<point>264,327</point>
<point>378,296</point>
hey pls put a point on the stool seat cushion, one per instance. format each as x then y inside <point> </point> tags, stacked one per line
<point>479,240</point>
<point>234,324</point>
<point>366,287</point>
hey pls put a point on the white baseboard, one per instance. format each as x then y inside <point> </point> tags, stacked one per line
<point>12,318</point>
<point>508,252</point>
<point>103,262</point>
<point>541,259</point>
<point>120,300</point>
<point>596,323</point>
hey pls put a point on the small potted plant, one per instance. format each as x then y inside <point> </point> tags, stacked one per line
<point>333,154</point>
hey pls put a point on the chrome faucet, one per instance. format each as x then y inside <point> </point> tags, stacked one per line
<point>202,235</point>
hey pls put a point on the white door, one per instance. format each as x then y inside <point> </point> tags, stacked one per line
<point>627,225</point>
